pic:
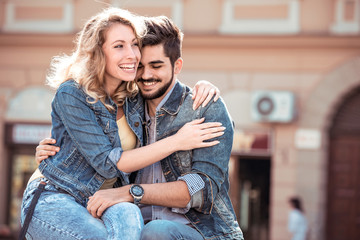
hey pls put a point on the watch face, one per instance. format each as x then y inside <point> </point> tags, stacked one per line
<point>137,190</point>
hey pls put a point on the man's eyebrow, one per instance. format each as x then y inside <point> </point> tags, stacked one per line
<point>156,62</point>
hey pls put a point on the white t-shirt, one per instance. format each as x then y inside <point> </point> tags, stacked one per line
<point>297,225</point>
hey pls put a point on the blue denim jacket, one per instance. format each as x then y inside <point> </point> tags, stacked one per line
<point>89,142</point>
<point>215,218</point>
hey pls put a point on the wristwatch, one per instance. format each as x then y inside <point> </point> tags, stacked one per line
<point>137,192</point>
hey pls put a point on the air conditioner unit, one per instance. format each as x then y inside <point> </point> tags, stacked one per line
<point>273,106</point>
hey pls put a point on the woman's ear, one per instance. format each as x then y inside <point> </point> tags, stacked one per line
<point>178,65</point>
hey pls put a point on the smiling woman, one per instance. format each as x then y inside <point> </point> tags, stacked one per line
<point>96,132</point>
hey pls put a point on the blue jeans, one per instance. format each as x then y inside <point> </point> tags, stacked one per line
<point>58,216</point>
<point>169,230</point>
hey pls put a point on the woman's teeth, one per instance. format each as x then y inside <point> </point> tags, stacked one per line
<point>127,66</point>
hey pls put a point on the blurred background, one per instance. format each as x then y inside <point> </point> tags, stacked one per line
<point>288,70</point>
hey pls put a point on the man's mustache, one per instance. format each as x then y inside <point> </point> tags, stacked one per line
<point>148,80</point>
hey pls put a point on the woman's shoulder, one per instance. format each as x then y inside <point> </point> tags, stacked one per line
<point>70,88</point>
<point>69,85</point>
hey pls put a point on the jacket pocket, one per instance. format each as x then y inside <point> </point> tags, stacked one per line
<point>71,159</point>
<point>183,161</point>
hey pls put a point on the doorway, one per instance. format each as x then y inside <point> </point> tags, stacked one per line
<point>22,165</point>
<point>343,190</point>
<point>254,178</point>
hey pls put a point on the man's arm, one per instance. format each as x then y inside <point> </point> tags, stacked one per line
<point>170,194</point>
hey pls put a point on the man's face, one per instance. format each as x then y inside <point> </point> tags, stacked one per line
<point>155,75</point>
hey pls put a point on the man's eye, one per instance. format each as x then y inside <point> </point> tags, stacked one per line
<point>140,66</point>
<point>156,66</point>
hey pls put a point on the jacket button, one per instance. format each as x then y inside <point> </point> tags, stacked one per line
<point>136,124</point>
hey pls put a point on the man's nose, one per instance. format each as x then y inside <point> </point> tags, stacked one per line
<point>146,73</point>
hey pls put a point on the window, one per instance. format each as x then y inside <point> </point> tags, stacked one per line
<point>261,17</point>
<point>38,16</point>
<point>347,19</point>
<point>171,8</point>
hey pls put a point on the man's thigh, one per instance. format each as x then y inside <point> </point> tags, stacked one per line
<point>168,230</point>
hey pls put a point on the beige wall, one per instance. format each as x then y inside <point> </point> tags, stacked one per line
<point>316,64</point>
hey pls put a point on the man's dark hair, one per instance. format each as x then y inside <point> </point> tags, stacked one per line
<point>161,30</point>
<point>296,203</point>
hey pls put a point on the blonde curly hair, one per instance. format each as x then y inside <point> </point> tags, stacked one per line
<point>86,65</point>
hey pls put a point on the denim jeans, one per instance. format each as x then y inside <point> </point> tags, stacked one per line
<point>169,230</point>
<point>58,216</point>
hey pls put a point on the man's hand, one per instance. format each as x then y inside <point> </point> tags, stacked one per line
<point>44,150</point>
<point>106,198</point>
<point>203,91</point>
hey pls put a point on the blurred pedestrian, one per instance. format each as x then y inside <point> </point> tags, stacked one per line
<point>297,223</point>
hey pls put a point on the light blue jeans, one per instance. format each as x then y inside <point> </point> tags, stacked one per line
<point>58,216</point>
<point>169,230</point>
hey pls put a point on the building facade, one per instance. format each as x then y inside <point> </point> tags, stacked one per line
<point>288,70</point>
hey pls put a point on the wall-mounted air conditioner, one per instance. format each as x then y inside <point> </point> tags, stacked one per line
<point>273,106</point>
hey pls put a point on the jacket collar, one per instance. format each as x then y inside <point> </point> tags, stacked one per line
<point>172,105</point>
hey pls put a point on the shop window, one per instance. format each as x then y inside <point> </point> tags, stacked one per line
<point>22,168</point>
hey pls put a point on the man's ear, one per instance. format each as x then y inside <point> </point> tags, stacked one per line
<point>178,65</point>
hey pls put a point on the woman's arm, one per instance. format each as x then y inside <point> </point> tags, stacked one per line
<point>82,130</point>
<point>192,135</point>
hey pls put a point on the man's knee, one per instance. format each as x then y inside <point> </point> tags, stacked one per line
<point>159,230</point>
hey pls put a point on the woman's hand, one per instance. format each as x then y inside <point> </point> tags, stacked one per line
<point>195,133</point>
<point>44,150</point>
<point>103,199</point>
<point>203,91</point>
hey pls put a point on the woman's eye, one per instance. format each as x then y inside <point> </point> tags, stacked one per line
<point>118,46</point>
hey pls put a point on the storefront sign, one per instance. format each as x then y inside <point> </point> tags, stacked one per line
<point>308,139</point>
<point>30,134</point>
<point>252,142</point>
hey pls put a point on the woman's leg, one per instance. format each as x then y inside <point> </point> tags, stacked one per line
<point>169,230</point>
<point>123,221</point>
<point>58,216</point>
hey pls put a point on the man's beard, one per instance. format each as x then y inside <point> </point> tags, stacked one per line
<point>160,92</point>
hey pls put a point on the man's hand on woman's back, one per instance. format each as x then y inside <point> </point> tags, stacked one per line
<point>45,149</point>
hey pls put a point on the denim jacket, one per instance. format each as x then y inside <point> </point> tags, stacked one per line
<point>214,217</point>
<point>89,142</point>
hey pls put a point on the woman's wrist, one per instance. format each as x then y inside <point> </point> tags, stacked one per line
<point>174,143</point>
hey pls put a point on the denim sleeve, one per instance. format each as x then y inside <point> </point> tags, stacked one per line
<point>195,184</point>
<point>211,163</point>
<point>88,136</point>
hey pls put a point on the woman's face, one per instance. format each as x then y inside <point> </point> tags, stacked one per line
<point>122,54</point>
